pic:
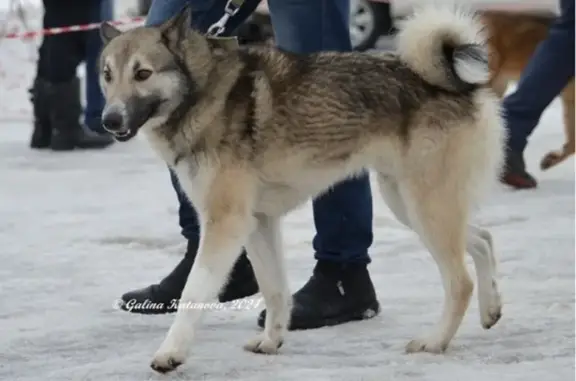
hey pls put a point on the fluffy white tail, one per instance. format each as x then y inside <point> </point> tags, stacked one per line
<point>445,46</point>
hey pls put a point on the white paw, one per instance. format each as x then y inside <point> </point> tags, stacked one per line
<point>171,354</point>
<point>426,345</point>
<point>165,362</point>
<point>492,312</point>
<point>263,344</point>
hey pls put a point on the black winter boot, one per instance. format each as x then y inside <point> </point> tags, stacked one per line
<point>42,131</point>
<point>335,294</point>
<point>515,174</point>
<point>65,111</point>
<point>163,297</point>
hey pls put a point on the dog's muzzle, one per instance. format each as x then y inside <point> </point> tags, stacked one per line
<point>114,123</point>
<point>124,122</point>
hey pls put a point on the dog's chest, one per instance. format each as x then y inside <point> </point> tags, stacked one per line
<point>192,175</point>
<point>162,148</point>
<point>279,195</point>
<point>193,178</point>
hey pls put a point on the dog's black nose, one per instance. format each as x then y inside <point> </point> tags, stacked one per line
<point>112,121</point>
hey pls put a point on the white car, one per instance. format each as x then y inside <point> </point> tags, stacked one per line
<point>369,20</point>
<point>372,19</point>
<point>402,8</point>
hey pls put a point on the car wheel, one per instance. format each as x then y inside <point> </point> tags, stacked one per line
<point>368,21</point>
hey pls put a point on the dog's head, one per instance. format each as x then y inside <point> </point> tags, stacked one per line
<point>150,75</point>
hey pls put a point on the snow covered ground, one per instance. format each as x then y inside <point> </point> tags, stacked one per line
<point>79,229</point>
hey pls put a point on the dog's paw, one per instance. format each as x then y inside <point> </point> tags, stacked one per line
<point>551,159</point>
<point>264,345</point>
<point>426,345</point>
<point>492,315</point>
<point>166,362</point>
<point>491,308</point>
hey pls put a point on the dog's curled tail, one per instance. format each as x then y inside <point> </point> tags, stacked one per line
<point>445,46</point>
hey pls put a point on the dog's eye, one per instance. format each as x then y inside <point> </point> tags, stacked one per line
<point>107,76</point>
<point>142,74</point>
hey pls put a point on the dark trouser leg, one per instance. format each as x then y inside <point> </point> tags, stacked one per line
<point>242,282</point>
<point>548,72</point>
<point>60,54</point>
<point>57,88</point>
<point>100,11</point>
<point>340,289</point>
<point>50,70</point>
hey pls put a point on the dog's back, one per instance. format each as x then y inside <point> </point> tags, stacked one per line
<point>353,96</point>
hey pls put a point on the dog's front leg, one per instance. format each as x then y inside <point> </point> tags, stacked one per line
<point>265,252</point>
<point>226,223</point>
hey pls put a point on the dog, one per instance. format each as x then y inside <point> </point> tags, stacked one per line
<point>254,132</point>
<point>512,40</point>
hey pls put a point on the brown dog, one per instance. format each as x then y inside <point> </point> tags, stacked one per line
<point>513,38</point>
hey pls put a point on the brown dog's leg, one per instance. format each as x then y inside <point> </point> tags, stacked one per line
<point>568,105</point>
<point>555,157</point>
<point>499,83</point>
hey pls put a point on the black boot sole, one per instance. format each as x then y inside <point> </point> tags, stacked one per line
<point>39,145</point>
<point>62,147</point>
<point>40,140</point>
<point>299,324</point>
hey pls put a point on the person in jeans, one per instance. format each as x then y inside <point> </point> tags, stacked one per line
<point>94,98</point>
<point>55,93</point>
<point>546,75</point>
<point>340,289</point>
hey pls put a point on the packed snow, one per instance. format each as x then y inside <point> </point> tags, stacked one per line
<point>78,229</point>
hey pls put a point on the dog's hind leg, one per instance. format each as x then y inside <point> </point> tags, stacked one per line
<point>264,249</point>
<point>226,223</point>
<point>481,249</point>
<point>568,100</point>
<point>440,221</point>
<point>478,244</point>
<point>554,158</point>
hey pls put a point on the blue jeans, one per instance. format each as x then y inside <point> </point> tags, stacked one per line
<point>343,216</point>
<point>548,72</point>
<point>94,96</point>
<point>204,12</point>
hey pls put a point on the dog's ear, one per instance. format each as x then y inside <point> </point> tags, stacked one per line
<point>108,32</point>
<point>176,28</point>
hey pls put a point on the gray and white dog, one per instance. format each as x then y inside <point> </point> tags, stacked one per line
<point>253,133</point>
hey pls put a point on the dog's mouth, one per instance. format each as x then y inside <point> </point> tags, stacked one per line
<point>141,110</point>
<point>125,135</point>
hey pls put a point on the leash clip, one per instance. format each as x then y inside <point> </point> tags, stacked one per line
<point>232,7</point>
<point>218,27</point>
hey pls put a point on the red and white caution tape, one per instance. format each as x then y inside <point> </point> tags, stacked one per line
<point>69,29</point>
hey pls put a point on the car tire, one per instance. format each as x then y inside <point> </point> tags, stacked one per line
<point>376,18</point>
